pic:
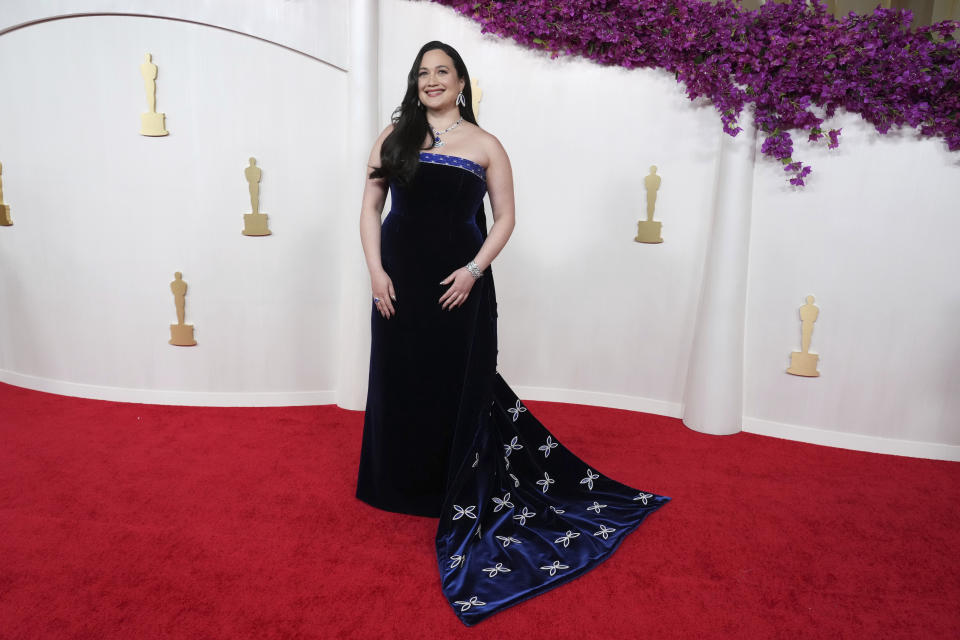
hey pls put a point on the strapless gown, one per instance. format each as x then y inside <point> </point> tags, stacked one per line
<point>444,436</point>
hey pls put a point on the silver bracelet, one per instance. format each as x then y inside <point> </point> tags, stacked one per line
<point>474,270</point>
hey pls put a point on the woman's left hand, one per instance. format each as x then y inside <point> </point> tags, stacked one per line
<point>457,294</point>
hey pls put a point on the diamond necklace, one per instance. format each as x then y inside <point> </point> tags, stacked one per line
<point>437,142</point>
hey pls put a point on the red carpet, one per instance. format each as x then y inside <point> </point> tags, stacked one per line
<point>140,521</point>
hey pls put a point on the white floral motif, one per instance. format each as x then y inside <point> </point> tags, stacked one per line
<point>507,460</point>
<point>591,476</point>
<point>546,447</point>
<point>565,539</point>
<point>502,502</point>
<point>643,497</point>
<point>466,604</point>
<point>516,412</point>
<point>516,482</point>
<point>604,531</point>
<point>456,561</point>
<point>546,482</point>
<point>555,510</point>
<point>596,507</point>
<point>523,515</point>
<point>493,571</point>
<point>513,446</point>
<point>476,461</point>
<point>506,540</point>
<point>478,529</point>
<point>552,568</point>
<point>461,512</point>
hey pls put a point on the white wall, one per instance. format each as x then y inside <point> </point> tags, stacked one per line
<point>316,28</point>
<point>873,237</point>
<point>104,216</point>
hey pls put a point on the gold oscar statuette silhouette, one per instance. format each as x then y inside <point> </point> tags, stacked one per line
<point>151,122</point>
<point>804,363</point>
<point>477,93</point>
<point>254,224</point>
<point>648,231</point>
<point>5,220</point>
<point>181,334</point>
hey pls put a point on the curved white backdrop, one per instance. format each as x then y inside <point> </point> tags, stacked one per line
<point>103,217</point>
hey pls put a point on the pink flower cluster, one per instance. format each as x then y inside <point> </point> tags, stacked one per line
<point>793,62</point>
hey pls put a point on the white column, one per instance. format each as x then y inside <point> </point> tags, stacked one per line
<point>354,351</point>
<point>713,397</point>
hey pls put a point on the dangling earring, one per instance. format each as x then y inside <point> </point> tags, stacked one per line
<point>461,100</point>
<point>419,106</point>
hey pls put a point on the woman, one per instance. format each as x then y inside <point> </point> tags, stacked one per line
<point>444,436</point>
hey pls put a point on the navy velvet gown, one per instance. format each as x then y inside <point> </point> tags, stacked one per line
<point>444,436</point>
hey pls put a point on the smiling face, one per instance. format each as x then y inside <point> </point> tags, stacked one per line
<point>437,81</point>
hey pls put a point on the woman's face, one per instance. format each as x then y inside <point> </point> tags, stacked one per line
<point>437,80</point>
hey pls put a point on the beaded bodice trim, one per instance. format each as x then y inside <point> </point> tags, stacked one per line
<point>454,161</point>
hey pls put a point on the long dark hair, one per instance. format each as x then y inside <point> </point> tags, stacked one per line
<point>399,153</point>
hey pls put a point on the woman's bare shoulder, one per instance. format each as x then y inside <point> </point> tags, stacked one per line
<point>490,144</point>
<point>386,131</point>
<point>483,136</point>
<point>374,161</point>
<point>484,144</point>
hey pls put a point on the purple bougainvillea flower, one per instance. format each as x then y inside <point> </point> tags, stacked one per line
<point>789,62</point>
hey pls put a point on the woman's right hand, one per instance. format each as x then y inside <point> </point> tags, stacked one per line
<point>383,294</point>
